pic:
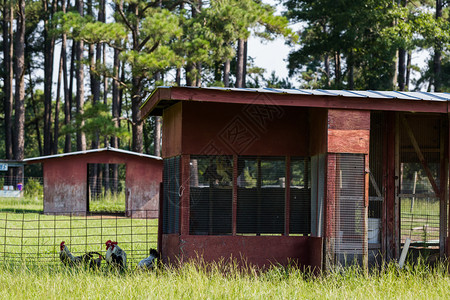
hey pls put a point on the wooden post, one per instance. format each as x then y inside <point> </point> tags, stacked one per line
<point>287,205</point>
<point>396,229</point>
<point>390,194</point>
<point>414,191</point>
<point>234,201</point>
<point>184,194</point>
<point>443,187</point>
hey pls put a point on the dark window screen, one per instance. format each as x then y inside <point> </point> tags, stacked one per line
<point>211,195</point>
<point>171,201</point>
<point>300,196</point>
<point>261,195</point>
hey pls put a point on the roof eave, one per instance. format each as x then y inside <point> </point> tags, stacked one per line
<point>150,106</point>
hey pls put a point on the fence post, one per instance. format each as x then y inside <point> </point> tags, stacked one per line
<point>4,245</point>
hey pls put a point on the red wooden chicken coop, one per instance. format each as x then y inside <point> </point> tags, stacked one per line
<point>311,177</point>
<point>68,181</point>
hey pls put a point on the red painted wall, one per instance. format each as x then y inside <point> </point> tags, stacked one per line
<point>65,181</point>
<point>217,128</point>
<point>261,251</point>
<point>171,138</point>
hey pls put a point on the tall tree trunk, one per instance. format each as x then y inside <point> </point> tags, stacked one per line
<point>57,107</point>
<point>35,112</point>
<point>158,121</point>
<point>19,72</point>
<point>244,66</point>
<point>115,115</point>
<point>350,67</point>
<point>198,74</point>
<point>240,64</point>
<point>189,74</point>
<point>408,71</point>
<point>437,53</point>
<point>327,69</point>
<point>401,69</point>
<point>226,73</point>
<point>49,45</point>
<point>402,59</point>
<point>337,68</point>
<point>81,137</point>
<point>67,88</point>
<point>7,28</point>
<point>137,143</point>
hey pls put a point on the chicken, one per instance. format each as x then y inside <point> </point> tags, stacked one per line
<point>97,262</point>
<point>68,259</point>
<point>150,262</point>
<point>65,256</point>
<point>115,256</point>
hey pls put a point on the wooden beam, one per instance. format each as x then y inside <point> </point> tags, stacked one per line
<point>422,160</point>
<point>374,184</point>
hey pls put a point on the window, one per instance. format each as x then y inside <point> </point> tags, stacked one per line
<point>211,195</point>
<point>300,196</point>
<point>261,195</point>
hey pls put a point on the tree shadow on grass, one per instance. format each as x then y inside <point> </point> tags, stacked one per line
<point>21,211</point>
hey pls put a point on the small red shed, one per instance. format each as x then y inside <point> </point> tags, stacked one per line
<point>312,177</point>
<point>66,185</point>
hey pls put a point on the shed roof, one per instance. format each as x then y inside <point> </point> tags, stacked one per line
<point>111,149</point>
<point>165,96</point>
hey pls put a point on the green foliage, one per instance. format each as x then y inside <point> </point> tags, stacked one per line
<point>97,122</point>
<point>33,189</point>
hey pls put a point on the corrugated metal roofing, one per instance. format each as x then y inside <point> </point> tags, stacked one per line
<point>92,151</point>
<point>427,96</point>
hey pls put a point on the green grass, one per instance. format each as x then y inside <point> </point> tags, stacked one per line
<point>23,204</point>
<point>109,203</point>
<point>421,223</point>
<point>222,282</point>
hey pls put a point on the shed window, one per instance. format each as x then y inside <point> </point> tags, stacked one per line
<point>211,194</point>
<point>261,195</point>
<point>300,196</point>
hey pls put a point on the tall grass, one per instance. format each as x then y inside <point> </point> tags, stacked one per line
<point>218,281</point>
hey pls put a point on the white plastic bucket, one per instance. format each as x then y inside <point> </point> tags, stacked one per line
<point>373,233</point>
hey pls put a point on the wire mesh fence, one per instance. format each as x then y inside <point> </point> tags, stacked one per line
<point>36,237</point>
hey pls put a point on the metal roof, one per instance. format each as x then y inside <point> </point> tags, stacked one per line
<point>92,151</point>
<point>165,96</point>
<point>342,93</point>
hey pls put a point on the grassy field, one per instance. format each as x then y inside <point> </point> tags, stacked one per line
<point>221,282</point>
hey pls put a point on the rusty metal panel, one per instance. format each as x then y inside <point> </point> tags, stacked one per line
<point>260,251</point>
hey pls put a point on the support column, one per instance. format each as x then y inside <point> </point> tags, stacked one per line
<point>184,194</point>
<point>348,132</point>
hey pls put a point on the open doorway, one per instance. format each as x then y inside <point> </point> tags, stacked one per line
<point>422,185</point>
<point>106,188</point>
